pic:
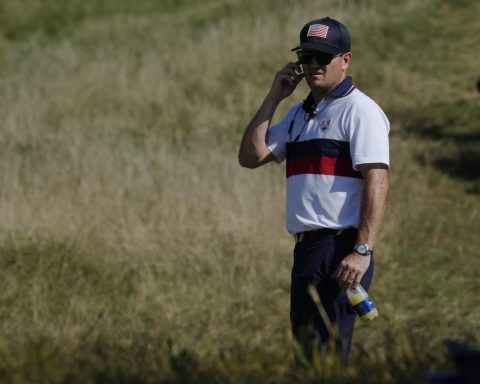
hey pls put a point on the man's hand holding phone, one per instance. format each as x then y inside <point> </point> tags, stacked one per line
<point>286,80</point>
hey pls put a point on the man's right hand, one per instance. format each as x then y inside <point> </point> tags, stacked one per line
<point>286,80</point>
<point>253,150</point>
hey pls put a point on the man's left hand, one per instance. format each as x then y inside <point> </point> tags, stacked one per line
<point>351,270</point>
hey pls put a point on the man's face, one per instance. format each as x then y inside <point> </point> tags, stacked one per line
<point>322,71</point>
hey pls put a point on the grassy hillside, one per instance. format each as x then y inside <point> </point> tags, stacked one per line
<point>134,249</point>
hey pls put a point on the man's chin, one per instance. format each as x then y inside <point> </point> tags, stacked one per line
<point>317,84</point>
<point>316,80</point>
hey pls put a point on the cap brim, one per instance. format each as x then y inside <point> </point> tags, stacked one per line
<point>318,47</point>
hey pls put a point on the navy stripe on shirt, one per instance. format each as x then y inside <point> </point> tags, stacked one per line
<point>318,147</point>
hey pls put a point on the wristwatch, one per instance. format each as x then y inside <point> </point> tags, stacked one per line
<point>363,249</point>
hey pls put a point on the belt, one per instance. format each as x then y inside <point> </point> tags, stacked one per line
<point>317,233</point>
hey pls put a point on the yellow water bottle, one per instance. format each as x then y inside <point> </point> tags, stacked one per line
<point>362,303</point>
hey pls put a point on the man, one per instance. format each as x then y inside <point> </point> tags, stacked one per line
<point>336,148</point>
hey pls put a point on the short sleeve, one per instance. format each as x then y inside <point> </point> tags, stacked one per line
<point>368,134</point>
<point>278,133</point>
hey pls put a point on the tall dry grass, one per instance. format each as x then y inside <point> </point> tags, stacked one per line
<point>128,230</point>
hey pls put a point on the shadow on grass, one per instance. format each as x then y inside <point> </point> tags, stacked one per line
<point>437,132</point>
<point>465,165</point>
<point>456,126</point>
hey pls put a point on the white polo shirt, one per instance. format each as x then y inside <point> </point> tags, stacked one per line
<point>323,145</point>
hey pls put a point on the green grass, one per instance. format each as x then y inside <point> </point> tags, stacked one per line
<point>134,249</point>
<point>53,18</point>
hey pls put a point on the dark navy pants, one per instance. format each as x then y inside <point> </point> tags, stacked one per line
<point>314,263</point>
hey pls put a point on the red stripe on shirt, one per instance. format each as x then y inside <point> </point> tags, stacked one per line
<point>322,166</point>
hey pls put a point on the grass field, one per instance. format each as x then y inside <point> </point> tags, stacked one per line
<point>135,249</point>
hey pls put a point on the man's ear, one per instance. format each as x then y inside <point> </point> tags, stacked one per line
<point>346,60</point>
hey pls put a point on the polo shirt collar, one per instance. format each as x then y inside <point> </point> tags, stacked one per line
<point>343,89</point>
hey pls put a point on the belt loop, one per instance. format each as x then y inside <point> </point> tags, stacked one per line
<point>339,232</point>
<point>299,237</point>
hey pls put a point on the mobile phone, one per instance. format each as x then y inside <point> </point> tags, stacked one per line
<point>298,71</point>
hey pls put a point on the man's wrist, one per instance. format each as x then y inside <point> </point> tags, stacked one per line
<point>363,249</point>
<point>273,98</point>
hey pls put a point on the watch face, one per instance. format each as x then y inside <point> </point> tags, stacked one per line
<point>362,248</point>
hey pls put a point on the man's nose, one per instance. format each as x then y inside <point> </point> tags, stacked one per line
<point>315,63</point>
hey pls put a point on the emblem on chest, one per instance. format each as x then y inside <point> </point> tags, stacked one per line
<point>325,124</point>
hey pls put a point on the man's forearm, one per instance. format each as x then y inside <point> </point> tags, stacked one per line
<point>253,147</point>
<point>374,202</point>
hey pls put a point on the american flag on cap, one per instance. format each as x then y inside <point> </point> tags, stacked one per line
<point>318,30</point>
